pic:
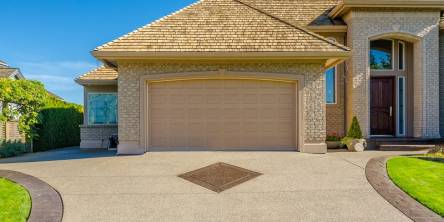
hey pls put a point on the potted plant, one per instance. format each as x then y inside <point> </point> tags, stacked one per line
<point>354,139</point>
<point>333,141</point>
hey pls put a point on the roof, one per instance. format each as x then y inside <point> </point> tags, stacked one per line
<point>102,74</point>
<point>229,26</point>
<point>9,72</point>
<point>300,12</point>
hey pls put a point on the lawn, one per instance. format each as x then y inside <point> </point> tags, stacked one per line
<point>15,202</point>
<point>420,177</point>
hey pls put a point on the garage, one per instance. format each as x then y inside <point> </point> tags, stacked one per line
<point>222,114</point>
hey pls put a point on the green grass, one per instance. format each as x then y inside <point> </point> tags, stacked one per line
<point>422,177</point>
<point>15,202</point>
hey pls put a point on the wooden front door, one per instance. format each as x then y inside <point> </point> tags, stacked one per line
<point>382,106</point>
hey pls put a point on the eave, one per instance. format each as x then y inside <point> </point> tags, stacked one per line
<point>327,28</point>
<point>95,82</point>
<point>344,7</point>
<point>110,56</point>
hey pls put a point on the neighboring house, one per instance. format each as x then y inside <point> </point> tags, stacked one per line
<point>9,130</point>
<point>269,75</point>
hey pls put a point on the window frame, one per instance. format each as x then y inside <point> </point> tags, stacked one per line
<point>403,55</point>
<point>404,110</point>
<point>87,109</point>
<point>335,84</point>
<point>393,56</point>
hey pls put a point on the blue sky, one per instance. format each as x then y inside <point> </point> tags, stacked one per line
<point>51,40</point>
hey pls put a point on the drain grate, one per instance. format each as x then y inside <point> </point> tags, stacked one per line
<point>219,176</point>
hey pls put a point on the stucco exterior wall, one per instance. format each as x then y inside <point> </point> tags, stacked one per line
<point>417,25</point>
<point>129,94</point>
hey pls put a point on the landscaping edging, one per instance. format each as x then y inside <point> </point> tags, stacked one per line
<point>376,173</point>
<point>47,205</point>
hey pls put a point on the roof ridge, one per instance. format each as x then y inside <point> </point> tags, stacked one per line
<point>295,26</point>
<point>149,24</point>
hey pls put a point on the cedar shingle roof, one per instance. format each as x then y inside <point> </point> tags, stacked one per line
<point>101,73</point>
<point>227,26</point>
<point>299,12</point>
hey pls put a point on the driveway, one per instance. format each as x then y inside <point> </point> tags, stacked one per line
<point>294,186</point>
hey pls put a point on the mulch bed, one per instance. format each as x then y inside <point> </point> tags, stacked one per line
<point>47,204</point>
<point>377,176</point>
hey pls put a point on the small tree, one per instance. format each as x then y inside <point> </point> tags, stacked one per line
<point>23,99</point>
<point>355,129</point>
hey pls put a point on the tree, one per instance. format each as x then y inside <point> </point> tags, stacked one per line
<point>355,129</point>
<point>23,99</point>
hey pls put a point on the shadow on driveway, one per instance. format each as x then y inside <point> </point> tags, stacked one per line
<point>70,153</point>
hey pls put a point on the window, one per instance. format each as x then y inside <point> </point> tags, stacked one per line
<point>381,54</point>
<point>401,106</point>
<point>330,86</point>
<point>401,55</point>
<point>102,108</point>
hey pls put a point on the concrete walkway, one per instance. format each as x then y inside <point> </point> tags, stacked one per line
<point>294,186</point>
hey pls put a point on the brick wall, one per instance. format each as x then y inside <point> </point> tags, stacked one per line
<point>10,131</point>
<point>129,91</point>
<point>416,24</point>
<point>96,137</point>
<point>441,81</point>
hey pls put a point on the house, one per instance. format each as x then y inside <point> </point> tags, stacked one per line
<point>269,75</point>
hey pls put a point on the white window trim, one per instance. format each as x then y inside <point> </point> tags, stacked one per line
<point>403,55</point>
<point>393,56</point>
<point>397,106</point>
<point>87,109</point>
<point>336,87</point>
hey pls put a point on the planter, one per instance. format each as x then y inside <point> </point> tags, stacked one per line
<point>333,144</point>
<point>357,145</point>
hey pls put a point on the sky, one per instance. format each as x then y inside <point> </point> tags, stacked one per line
<point>51,40</point>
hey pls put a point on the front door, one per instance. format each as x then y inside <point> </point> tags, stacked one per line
<point>382,105</point>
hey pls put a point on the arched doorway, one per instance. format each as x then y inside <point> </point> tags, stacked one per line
<point>391,87</point>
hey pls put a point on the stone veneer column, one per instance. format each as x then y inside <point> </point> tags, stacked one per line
<point>423,25</point>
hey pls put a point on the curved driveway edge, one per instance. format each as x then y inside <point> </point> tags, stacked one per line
<point>376,173</point>
<point>47,205</point>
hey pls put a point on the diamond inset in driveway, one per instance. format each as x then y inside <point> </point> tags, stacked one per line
<point>219,177</point>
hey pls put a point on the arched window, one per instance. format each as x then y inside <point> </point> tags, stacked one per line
<point>381,54</point>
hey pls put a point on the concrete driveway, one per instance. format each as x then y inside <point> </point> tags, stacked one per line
<point>294,186</point>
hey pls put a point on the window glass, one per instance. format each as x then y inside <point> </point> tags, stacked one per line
<point>401,86</point>
<point>381,54</point>
<point>330,85</point>
<point>102,108</point>
<point>401,56</point>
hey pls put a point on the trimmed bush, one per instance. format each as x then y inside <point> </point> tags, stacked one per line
<point>12,148</point>
<point>355,129</point>
<point>58,126</point>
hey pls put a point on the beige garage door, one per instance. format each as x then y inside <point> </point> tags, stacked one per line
<point>222,115</point>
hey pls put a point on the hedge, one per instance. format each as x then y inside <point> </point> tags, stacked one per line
<point>58,126</point>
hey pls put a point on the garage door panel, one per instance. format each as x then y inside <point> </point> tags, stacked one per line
<point>222,114</point>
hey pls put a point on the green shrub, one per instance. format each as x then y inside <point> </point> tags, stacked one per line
<point>355,129</point>
<point>12,148</point>
<point>58,126</point>
<point>333,138</point>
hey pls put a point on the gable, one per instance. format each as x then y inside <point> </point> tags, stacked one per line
<point>220,26</point>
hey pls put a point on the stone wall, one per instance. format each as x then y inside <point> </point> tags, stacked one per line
<point>96,137</point>
<point>129,92</point>
<point>419,27</point>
